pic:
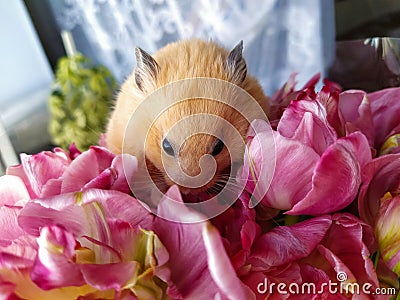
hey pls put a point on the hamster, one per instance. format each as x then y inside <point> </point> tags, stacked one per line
<point>175,157</point>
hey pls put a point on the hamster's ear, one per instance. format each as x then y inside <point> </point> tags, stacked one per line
<point>146,69</point>
<point>236,64</point>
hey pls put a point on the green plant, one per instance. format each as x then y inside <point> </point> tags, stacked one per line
<point>80,102</point>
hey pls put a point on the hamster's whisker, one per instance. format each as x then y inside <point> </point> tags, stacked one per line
<point>222,185</point>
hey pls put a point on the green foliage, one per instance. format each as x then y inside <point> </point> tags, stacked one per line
<point>80,102</point>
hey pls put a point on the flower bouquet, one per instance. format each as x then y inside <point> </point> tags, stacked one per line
<point>326,227</point>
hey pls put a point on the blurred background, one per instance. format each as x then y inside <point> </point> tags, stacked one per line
<point>340,39</point>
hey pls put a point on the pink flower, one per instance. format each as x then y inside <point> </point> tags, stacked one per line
<point>385,109</point>
<point>282,97</point>
<point>41,172</point>
<point>91,239</point>
<point>199,257</point>
<point>315,172</point>
<point>83,241</point>
<point>310,252</point>
<point>379,205</point>
<point>380,176</point>
<point>70,227</point>
<point>306,120</point>
<point>387,232</point>
<point>356,115</point>
<point>100,248</point>
<point>52,173</point>
<point>374,114</point>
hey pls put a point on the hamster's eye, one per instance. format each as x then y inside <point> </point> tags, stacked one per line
<point>219,145</point>
<point>168,147</point>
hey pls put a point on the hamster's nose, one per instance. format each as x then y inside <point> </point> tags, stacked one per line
<point>191,169</point>
<point>193,172</point>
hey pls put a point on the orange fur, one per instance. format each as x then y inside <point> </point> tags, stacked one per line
<point>184,59</point>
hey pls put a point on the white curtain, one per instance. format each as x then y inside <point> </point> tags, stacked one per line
<point>280,36</point>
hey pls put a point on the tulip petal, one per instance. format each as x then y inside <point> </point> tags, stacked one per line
<point>19,172</point>
<point>188,242</point>
<point>306,121</point>
<point>336,178</point>
<point>78,174</point>
<point>285,244</point>
<point>121,206</point>
<point>52,210</point>
<point>10,230</point>
<point>125,166</point>
<point>281,98</point>
<point>386,275</point>
<point>385,107</point>
<point>265,284</point>
<point>42,167</point>
<point>54,266</point>
<point>311,274</point>
<point>349,228</point>
<point>356,111</point>
<point>35,216</point>
<point>329,98</point>
<point>387,232</point>
<point>117,176</point>
<point>391,145</point>
<point>250,231</point>
<point>12,190</point>
<point>286,188</point>
<point>102,181</point>
<point>14,261</point>
<point>379,176</point>
<point>221,268</point>
<point>110,276</point>
<point>343,273</point>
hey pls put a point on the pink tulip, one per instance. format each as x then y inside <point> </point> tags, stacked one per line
<point>41,172</point>
<point>385,109</point>
<point>282,97</point>
<point>329,98</point>
<point>83,240</point>
<point>387,232</point>
<point>51,173</point>
<point>306,120</point>
<point>355,109</point>
<point>305,182</point>
<point>378,205</point>
<point>105,247</point>
<point>336,177</point>
<point>221,268</point>
<point>94,250</point>
<point>70,227</point>
<point>375,114</point>
<point>197,246</point>
<point>310,252</point>
<point>380,176</point>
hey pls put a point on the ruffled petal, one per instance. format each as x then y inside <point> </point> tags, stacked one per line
<point>42,167</point>
<point>191,264</point>
<point>78,174</point>
<point>285,244</point>
<point>221,268</point>
<point>55,265</point>
<point>337,177</point>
